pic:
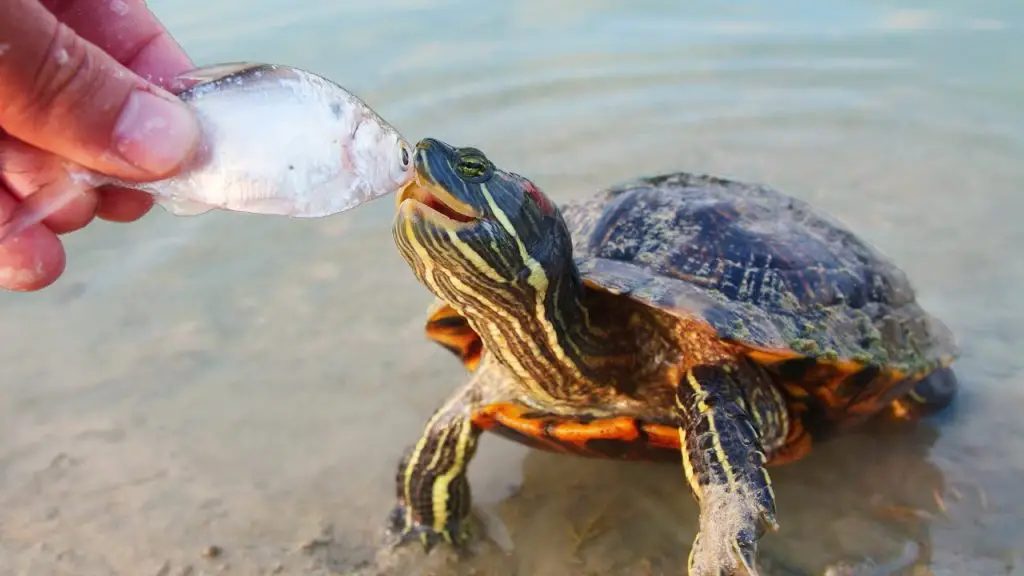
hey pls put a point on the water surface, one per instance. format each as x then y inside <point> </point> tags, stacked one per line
<point>250,382</point>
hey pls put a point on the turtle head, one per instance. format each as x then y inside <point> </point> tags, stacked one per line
<point>497,250</point>
<point>472,231</point>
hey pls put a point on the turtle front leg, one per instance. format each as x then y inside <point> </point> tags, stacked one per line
<point>724,463</point>
<point>432,489</point>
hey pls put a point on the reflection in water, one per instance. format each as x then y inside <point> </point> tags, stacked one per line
<point>868,501</point>
<point>860,505</point>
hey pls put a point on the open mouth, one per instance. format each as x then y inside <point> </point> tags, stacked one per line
<point>437,200</point>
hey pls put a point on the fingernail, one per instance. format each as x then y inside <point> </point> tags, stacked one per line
<point>155,134</point>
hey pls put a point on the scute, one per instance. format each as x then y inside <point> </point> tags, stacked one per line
<point>748,242</point>
<point>763,268</point>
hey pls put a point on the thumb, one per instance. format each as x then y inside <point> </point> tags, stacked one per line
<point>63,94</point>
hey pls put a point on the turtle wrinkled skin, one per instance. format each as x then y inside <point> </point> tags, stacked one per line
<point>679,318</point>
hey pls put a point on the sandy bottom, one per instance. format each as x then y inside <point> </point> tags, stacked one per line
<point>230,394</point>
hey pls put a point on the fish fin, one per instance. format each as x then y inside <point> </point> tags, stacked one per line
<point>44,182</point>
<point>38,207</point>
<point>182,207</point>
<point>216,72</point>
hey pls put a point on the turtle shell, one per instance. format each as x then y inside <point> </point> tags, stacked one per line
<point>835,321</point>
<point>764,269</point>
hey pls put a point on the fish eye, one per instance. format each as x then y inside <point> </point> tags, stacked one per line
<point>405,156</point>
<point>472,165</point>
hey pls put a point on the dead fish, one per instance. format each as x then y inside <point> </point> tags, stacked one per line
<point>275,140</point>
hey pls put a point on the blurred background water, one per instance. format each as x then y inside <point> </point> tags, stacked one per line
<point>250,382</point>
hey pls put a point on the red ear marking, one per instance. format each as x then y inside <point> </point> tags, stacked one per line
<point>538,197</point>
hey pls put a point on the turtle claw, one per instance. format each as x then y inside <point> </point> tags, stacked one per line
<point>404,529</point>
<point>746,556</point>
<point>743,561</point>
<point>739,558</point>
<point>727,543</point>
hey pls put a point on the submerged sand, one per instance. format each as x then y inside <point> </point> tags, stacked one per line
<point>230,394</point>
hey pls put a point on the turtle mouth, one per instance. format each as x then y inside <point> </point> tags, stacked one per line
<point>435,203</point>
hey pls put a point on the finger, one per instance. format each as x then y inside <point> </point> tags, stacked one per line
<point>133,36</point>
<point>123,204</point>
<point>63,94</point>
<point>30,172</point>
<point>75,215</point>
<point>32,259</point>
<point>129,32</point>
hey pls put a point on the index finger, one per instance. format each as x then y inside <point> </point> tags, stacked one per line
<point>129,32</point>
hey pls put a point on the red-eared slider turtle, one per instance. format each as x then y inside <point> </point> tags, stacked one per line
<point>680,317</point>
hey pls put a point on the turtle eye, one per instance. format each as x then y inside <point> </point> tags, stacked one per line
<point>472,165</point>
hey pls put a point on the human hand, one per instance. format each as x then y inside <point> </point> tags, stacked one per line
<point>73,82</point>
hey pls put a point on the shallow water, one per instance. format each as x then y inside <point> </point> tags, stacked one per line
<point>249,382</point>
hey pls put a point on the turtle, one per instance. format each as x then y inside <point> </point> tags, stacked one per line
<point>675,317</point>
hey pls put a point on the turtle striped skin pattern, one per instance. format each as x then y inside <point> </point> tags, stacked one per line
<point>681,318</point>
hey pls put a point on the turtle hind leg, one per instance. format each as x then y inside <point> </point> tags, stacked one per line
<point>433,493</point>
<point>724,463</point>
<point>930,396</point>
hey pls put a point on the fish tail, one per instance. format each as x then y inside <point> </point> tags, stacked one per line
<point>44,182</point>
<point>40,206</point>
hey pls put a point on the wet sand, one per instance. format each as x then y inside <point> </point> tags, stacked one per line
<point>249,384</point>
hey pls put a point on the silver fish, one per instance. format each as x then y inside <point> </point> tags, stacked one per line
<point>275,140</point>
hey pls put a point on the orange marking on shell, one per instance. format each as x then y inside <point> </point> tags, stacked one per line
<point>567,434</point>
<point>662,436</point>
<point>798,444</point>
<point>767,357</point>
<point>795,390</point>
<point>900,410</point>
<point>770,356</point>
<point>509,416</point>
<point>576,432</point>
